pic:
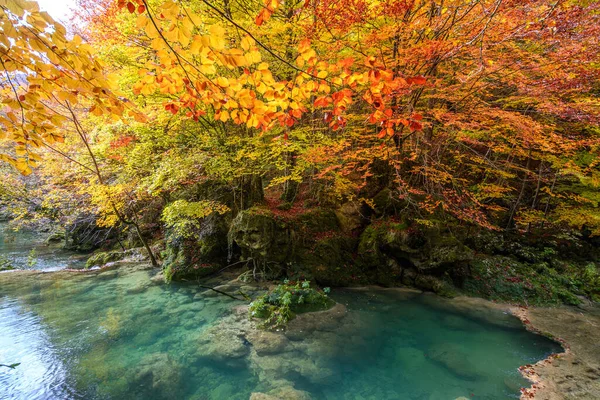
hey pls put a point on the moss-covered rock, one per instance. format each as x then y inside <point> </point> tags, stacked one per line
<point>436,285</point>
<point>384,251</point>
<point>199,254</point>
<point>329,261</point>
<point>55,237</point>
<point>280,305</point>
<point>102,258</point>
<point>261,235</point>
<point>84,235</point>
<point>349,217</point>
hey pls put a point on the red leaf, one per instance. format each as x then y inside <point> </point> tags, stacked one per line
<point>322,101</point>
<point>131,7</point>
<point>415,126</point>
<point>417,80</point>
<point>141,9</point>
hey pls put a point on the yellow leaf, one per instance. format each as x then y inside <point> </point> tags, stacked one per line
<point>217,37</point>
<point>222,81</point>
<point>247,43</point>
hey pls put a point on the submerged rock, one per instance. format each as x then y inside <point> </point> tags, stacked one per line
<point>226,341</point>
<point>222,345</point>
<point>455,359</point>
<point>157,376</point>
<point>265,342</point>
<point>282,393</point>
<point>307,323</point>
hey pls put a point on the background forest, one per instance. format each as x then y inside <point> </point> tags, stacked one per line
<point>443,144</point>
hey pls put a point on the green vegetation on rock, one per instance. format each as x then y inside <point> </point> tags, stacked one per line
<point>5,264</point>
<point>102,258</point>
<point>280,305</point>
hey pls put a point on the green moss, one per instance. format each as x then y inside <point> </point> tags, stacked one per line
<point>5,264</point>
<point>436,285</point>
<point>103,258</point>
<point>317,220</point>
<point>327,260</point>
<point>261,235</point>
<point>184,260</point>
<point>55,237</point>
<point>198,255</point>
<point>506,279</point>
<point>281,304</point>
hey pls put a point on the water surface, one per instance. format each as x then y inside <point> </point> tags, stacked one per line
<point>117,335</point>
<point>28,250</point>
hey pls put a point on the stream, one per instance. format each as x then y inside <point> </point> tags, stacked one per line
<point>119,335</point>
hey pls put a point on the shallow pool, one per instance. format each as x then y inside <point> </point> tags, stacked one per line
<point>117,335</point>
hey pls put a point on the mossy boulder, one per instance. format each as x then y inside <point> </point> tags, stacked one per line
<point>280,305</point>
<point>349,217</point>
<point>436,285</point>
<point>199,253</point>
<point>383,252</point>
<point>316,220</point>
<point>102,258</point>
<point>261,235</point>
<point>84,235</point>
<point>387,202</point>
<point>329,261</point>
<point>429,251</point>
<point>55,237</point>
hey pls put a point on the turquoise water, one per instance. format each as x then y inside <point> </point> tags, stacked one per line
<point>118,335</point>
<point>27,250</point>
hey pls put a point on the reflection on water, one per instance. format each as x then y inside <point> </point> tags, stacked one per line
<point>41,374</point>
<point>117,335</point>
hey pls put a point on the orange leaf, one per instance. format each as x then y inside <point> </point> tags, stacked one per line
<point>417,80</point>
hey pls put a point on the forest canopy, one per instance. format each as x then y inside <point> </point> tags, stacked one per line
<point>482,112</point>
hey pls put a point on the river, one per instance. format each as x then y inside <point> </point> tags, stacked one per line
<point>119,335</point>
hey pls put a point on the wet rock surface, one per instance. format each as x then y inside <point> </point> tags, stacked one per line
<point>574,374</point>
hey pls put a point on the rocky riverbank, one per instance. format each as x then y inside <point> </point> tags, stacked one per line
<point>574,374</point>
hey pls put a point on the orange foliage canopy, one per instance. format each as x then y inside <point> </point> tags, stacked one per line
<point>473,106</point>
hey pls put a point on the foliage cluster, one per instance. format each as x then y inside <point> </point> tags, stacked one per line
<point>482,113</point>
<point>281,304</point>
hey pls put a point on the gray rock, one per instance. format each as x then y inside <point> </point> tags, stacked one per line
<point>265,342</point>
